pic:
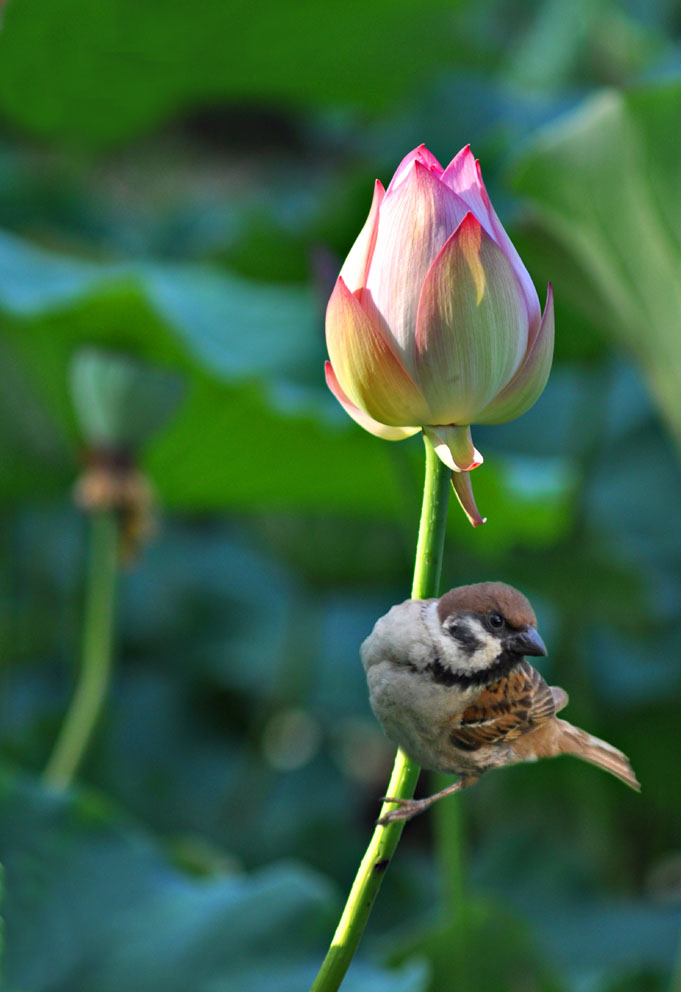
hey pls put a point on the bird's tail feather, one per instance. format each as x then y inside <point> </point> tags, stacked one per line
<point>582,745</point>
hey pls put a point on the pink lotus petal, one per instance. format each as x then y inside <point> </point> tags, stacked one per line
<point>528,383</point>
<point>421,155</point>
<point>362,418</point>
<point>356,265</point>
<point>463,175</point>
<point>454,447</point>
<point>415,221</point>
<point>461,484</point>
<point>471,333</point>
<point>369,371</point>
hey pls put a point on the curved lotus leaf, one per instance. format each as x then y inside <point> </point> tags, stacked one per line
<point>605,183</point>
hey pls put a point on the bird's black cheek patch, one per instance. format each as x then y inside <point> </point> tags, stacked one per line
<point>465,638</point>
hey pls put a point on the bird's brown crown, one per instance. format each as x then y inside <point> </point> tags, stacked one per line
<point>488,597</point>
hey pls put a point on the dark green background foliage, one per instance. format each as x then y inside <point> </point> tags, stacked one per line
<point>181,181</point>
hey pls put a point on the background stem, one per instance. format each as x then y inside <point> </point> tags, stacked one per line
<point>448,828</point>
<point>93,680</point>
<point>427,568</point>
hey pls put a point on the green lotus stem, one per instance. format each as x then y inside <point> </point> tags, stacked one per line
<point>385,839</point>
<point>93,681</point>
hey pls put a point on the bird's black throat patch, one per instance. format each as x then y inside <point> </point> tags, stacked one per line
<point>443,675</point>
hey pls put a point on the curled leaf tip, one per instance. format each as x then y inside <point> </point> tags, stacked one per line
<point>461,484</point>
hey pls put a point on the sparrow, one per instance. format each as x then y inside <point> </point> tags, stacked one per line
<point>450,684</point>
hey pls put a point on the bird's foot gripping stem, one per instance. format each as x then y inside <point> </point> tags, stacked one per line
<point>412,807</point>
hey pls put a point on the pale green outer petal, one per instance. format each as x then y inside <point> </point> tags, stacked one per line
<point>472,326</point>
<point>415,221</point>
<point>362,418</point>
<point>454,446</point>
<point>461,484</point>
<point>356,265</point>
<point>528,384</point>
<point>369,372</point>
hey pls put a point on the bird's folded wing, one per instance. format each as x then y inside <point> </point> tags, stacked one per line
<point>519,702</point>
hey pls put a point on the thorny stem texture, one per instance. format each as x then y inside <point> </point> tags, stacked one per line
<point>93,680</point>
<point>427,568</point>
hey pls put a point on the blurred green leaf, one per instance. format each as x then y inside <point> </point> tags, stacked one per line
<point>549,885</point>
<point>612,938</point>
<point>605,182</point>
<point>643,503</point>
<point>569,40</point>
<point>238,327</point>
<point>91,904</point>
<point>97,77</point>
<point>553,43</point>
<point>458,951</point>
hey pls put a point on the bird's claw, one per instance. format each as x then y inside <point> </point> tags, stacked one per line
<point>408,808</point>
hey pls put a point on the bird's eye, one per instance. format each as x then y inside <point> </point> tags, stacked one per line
<point>496,621</point>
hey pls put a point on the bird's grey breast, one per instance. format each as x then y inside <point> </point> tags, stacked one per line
<point>411,705</point>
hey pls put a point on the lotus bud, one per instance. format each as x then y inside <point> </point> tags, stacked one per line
<point>434,323</point>
<point>119,403</point>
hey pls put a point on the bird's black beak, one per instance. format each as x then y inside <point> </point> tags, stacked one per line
<point>526,641</point>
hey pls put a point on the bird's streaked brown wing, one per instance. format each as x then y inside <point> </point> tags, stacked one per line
<point>516,704</point>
